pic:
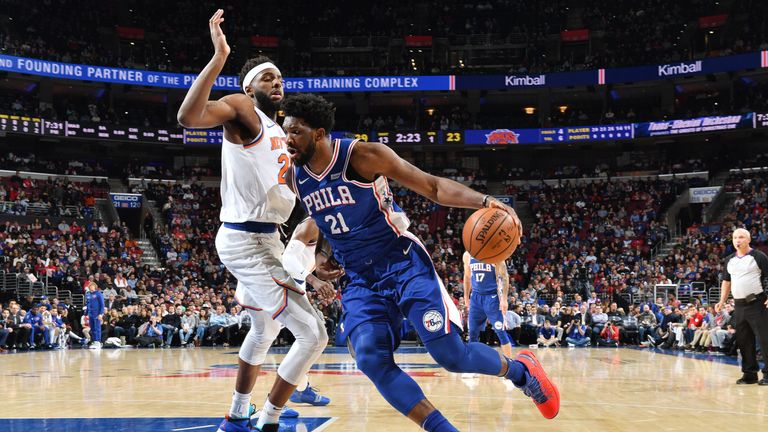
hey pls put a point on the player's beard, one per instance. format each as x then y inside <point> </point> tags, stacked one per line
<point>305,156</point>
<point>266,104</point>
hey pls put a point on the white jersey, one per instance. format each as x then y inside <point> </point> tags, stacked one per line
<point>253,177</point>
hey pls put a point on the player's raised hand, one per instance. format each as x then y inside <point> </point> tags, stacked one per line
<point>217,35</point>
<point>494,203</point>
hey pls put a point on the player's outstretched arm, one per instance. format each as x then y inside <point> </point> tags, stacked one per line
<point>374,159</point>
<point>196,110</point>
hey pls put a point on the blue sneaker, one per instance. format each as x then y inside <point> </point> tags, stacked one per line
<point>235,425</point>
<point>309,396</point>
<point>287,413</point>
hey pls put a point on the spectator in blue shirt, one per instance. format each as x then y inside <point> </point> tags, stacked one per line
<point>513,322</point>
<point>151,333</point>
<point>548,335</point>
<point>576,334</point>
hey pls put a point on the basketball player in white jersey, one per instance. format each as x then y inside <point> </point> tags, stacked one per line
<point>254,200</point>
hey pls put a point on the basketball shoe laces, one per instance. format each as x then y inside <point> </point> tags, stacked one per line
<point>533,390</point>
<point>314,391</point>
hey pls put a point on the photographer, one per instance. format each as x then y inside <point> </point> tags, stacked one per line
<point>576,334</point>
<point>151,333</point>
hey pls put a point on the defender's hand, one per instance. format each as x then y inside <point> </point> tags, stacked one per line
<point>217,35</point>
<point>325,291</point>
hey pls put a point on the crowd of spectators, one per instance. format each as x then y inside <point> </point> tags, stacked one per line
<point>588,254</point>
<point>32,162</point>
<point>158,170</point>
<point>167,37</point>
<point>53,196</point>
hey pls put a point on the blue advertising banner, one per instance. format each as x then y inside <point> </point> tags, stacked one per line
<point>702,124</point>
<point>684,68</point>
<point>223,82</point>
<point>82,72</point>
<point>369,83</point>
<point>559,79</point>
<point>126,200</point>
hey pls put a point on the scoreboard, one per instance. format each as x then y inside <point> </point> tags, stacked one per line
<point>66,129</point>
<point>586,133</point>
<point>406,137</point>
<point>16,124</point>
<point>21,124</point>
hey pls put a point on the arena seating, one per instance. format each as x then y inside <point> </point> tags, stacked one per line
<point>599,236</point>
<point>124,36</point>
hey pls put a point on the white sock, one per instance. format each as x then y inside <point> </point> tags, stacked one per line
<point>270,414</point>
<point>303,384</point>
<point>240,404</point>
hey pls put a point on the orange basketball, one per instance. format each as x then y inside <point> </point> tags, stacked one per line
<point>490,235</point>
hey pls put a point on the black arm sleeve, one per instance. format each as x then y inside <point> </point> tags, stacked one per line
<point>762,261</point>
<point>725,275</point>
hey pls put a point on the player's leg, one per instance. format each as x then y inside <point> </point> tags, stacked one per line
<point>476,319</point>
<point>95,329</point>
<point>424,300</point>
<point>252,354</point>
<point>372,345</point>
<point>250,257</point>
<point>308,328</point>
<point>493,311</point>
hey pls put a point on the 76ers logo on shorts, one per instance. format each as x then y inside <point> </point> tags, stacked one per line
<point>433,321</point>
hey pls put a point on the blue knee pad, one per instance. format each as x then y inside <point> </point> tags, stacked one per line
<point>372,347</point>
<point>456,356</point>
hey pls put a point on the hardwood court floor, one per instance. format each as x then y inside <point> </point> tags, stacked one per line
<point>189,389</point>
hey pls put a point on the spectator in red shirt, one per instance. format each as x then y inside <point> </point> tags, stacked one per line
<point>609,336</point>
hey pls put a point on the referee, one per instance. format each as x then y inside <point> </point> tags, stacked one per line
<point>746,273</point>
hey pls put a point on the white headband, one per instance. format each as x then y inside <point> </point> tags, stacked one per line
<point>255,71</point>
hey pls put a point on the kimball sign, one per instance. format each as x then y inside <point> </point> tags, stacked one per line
<point>525,81</point>
<point>679,69</point>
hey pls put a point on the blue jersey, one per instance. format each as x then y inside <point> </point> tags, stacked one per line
<point>94,302</point>
<point>36,320</point>
<point>360,220</point>
<point>483,275</point>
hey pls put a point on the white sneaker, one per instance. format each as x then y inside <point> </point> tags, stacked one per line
<point>95,345</point>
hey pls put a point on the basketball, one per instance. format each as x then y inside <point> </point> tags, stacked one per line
<point>490,235</point>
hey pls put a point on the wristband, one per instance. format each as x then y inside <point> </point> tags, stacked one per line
<point>298,260</point>
<point>485,200</point>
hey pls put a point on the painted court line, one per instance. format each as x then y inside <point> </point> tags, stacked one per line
<point>325,425</point>
<point>193,428</point>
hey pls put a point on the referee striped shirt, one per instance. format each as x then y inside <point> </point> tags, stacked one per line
<point>748,274</point>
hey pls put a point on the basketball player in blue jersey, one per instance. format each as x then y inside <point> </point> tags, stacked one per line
<point>485,292</point>
<point>254,200</point>
<point>343,186</point>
